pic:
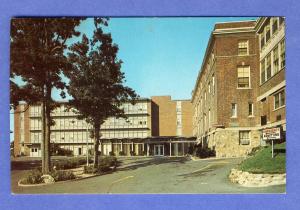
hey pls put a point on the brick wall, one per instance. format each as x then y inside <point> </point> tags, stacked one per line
<point>187,115</point>
<point>164,114</point>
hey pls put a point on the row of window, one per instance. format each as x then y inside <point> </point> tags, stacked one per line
<point>137,108</point>
<point>73,123</point>
<point>273,62</point>
<point>81,137</point>
<point>270,28</point>
<point>234,110</point>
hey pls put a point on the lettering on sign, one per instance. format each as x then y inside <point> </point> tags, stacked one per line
<point>271,133</point>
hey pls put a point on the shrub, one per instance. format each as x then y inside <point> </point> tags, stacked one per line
<point>89,169</point>
<point>121,153</point>
<point>104,165</point>
<point>34,177</point>
<point>132,153</point>
<point>111,153</point>
<point>60,175</point>
<point>204,152</point>
<point>69,163</point>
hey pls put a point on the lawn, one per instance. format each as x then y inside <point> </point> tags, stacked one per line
<point>262,161</point>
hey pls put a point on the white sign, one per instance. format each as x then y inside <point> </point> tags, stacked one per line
<point>271,133</point>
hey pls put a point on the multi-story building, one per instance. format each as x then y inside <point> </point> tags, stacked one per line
<point>271,96</point>
<point>224,97</point>
<point>240,89</point>
<point>132,135</point>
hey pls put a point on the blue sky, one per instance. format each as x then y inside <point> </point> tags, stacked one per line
<point>161,56</point>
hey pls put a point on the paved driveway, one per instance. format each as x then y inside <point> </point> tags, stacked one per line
<point>155,175</point>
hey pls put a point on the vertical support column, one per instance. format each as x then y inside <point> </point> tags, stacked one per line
<point>111,145</point>
<point>143,149</point>
<point>170,149</point>
<point>183,149</point>
<point>132,146</point>
<point>148,149</point>
<point>163,146</point>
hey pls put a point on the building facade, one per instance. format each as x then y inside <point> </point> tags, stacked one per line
<point>131,136</point>
<point>271,96</point>
<point>230,98</point>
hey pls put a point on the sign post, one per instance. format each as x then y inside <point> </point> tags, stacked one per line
<point>271,134</point>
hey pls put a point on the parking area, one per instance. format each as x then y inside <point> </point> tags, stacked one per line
<point>154,175</point>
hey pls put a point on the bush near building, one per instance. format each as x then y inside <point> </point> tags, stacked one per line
<point>203,152</point>
<point>69,163</point>
<point>35,176</point>
<point>105,164</point>
<point>262,162</point>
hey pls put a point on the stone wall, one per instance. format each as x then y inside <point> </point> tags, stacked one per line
<point>227,143</point>
<point>256,180</point>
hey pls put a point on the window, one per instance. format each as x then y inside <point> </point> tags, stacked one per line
<point>274,25</point>
<point>262,71</point>
<point>244,137</point>
<point>243,47</point>
<point>268,33</point>
<point>234,110</point>
<point>279,99</point>
<point>263,120</point>
<point>250,109</point>
<point>244,77</point>
<point>275,60</point>
<point>282,53</point>
<point>268,66</point>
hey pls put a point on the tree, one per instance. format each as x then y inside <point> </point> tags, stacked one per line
<point>37,57</point>
<point>96,81</point>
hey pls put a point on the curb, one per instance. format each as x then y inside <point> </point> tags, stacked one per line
<point>71,180</point>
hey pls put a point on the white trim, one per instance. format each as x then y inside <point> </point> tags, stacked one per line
<point>269,92</point>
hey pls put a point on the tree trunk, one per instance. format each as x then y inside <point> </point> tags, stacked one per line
<point>47,139</point>
<point>43,136</point>
<point>96,143</point>
<point>47,130</point>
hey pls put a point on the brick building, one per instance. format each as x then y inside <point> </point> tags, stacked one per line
<point>271,96</point>
<point>140,133</point>
<point>229,95</point>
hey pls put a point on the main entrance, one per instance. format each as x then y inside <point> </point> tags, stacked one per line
<point>159,150</point>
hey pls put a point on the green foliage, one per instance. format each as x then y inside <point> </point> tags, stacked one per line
<point>112,153</point>
<point>60,175</point>
<point>96,80</point>
<point>105,164</point>
<point>34,177</point>
<point>69,163</point>
<point>89,169</point>
<point>132,153</point>
<point>37,47</point>
<point>262,161</point>
<point>37,55</point>
<point>122,153</point>
<point>203,152</point>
